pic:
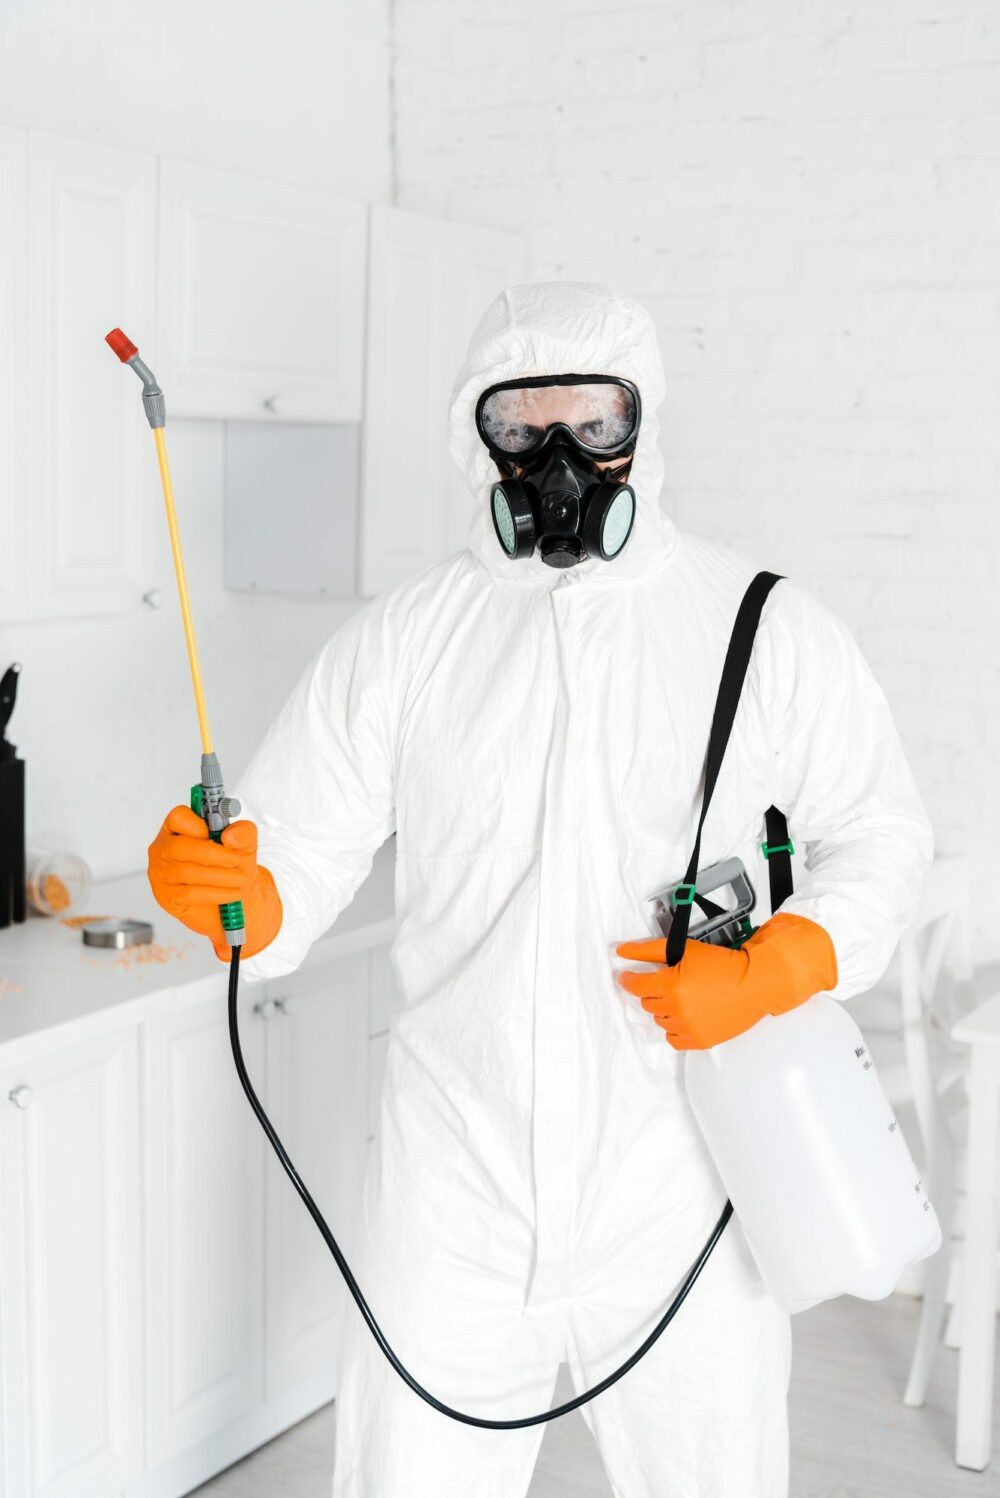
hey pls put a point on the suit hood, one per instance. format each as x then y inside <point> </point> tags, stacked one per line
<point>557,328</point>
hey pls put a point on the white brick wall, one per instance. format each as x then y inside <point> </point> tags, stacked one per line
<point>806,194</point>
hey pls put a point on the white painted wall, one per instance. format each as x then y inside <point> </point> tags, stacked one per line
<point>298,92</point>
<point>806,193</point>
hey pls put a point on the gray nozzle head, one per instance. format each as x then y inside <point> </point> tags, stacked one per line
<point>211,772</point>
<point>154,406</point>
<point>152,396</point>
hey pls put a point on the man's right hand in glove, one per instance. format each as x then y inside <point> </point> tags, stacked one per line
<point>191,876</point>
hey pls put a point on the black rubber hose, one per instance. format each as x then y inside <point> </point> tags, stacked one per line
<point>365,1308</point>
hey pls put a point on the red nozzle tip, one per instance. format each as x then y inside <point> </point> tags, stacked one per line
<point>121,345</point>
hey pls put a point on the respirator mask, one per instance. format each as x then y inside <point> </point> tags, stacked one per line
<point>555,439</point>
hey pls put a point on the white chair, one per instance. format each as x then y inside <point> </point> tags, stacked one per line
<point>980,1030</point>
<point>931,1074</point>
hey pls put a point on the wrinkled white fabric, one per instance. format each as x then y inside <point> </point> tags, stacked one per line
<point>538,1187</point>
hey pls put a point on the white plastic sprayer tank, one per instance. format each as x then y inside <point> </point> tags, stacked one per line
<point>812,1157</point>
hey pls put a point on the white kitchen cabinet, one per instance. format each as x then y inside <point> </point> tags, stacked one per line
<point>316,1036</point>
<point>70,1264</point>
<point>429,282</point>
<point>15,575</point>
<point>205,1242</point>
<point>243,1300</point>
<point>91,249</point>
<point>166,1305</point>
<point>261,297</point>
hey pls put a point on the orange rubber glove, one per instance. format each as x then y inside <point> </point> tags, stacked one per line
<point>715,993</point>
<point>191,876</point>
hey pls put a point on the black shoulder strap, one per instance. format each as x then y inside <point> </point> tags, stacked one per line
<point>734,671</point>
<point>778,852</point>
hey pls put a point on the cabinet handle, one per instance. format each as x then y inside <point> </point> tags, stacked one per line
<point>268,1008</point>
<point>20,1097</point>
<point>271,404</point>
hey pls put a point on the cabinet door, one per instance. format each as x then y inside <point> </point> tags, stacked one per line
<point>70,1259</point>
<point>205,1270</point>
<point>261,298</point>
<point>15,536</point>
<point>429,282</point>
<point>92,247</point>
<point>316,1098</point>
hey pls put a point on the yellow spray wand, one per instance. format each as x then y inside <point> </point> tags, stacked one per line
<point>208,797</point>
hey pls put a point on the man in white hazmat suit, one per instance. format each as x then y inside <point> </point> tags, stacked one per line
<point>535,736</point>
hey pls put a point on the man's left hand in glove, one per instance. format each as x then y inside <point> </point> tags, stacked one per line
<point>715,993</point>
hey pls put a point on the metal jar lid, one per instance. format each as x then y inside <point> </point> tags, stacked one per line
<point>117,933</point>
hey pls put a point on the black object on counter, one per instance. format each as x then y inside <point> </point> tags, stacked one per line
<point>12,870</point>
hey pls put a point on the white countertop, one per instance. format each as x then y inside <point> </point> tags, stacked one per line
<point>49,979</point>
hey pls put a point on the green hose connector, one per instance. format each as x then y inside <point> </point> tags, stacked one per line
<point>231,914</point>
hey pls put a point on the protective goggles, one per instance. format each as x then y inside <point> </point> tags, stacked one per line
<point>518,418</point>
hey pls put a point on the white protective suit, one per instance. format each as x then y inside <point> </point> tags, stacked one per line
<point>536,738</point>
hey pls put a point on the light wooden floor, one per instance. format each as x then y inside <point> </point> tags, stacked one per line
<point>851,1437</point>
